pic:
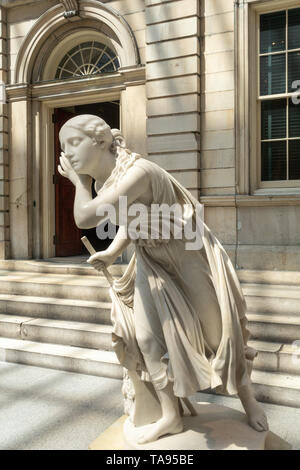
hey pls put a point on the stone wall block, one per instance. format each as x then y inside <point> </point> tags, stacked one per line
<point>173,30</point>
<point>173,105</point>
<point>172,49</point>
<point>189,179</point>
<point>216,7</point>
<point>4,188</point>
<point>173,124</point>
<point>176,160</point>
<point>173,86</point>
<point>219,158</point>
<point>173,143</point>
<point>171,11</point>
<point>3,61</point>
<point>222,222</point>
<point>221,177</point>
<point>3,140</point>
<point>3,124</point>
<point>4,203</point>
<point>173,67</point>
<point>4,219</point>
<point>4,170</point>
<point>4,250</point>
<point>150,3</point>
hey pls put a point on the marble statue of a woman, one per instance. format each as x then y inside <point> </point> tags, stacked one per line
<point>190,330</point>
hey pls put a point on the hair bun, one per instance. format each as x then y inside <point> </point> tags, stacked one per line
<point>118,138</point>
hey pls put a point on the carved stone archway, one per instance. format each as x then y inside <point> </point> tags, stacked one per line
<point>55,24</point>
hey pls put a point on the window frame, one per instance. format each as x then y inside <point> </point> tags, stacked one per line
<point>248,105</point>
<point>260,98</point>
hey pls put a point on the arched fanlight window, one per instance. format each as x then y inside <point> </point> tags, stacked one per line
<point>88,58</point>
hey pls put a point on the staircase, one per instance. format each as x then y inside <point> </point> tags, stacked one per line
<point>47,321</point>
<point>273,300</point>
<point>57,315</point>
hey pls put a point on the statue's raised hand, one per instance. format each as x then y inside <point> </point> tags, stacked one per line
<point>65,169</point>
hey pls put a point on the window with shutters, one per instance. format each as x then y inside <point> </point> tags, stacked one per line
<point>278,102</point>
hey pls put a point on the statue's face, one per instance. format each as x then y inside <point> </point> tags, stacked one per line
<point>81,150</point>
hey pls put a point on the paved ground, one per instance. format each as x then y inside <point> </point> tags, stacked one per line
<point>48,409</point>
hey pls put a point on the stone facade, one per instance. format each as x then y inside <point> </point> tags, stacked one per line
<point>185,92</point>
<point>4,178</point>
<point>173,88</point>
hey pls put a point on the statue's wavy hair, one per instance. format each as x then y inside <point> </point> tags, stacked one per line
<point>95,127</point>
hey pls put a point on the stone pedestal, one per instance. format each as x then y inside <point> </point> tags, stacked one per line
<point>215,428</point>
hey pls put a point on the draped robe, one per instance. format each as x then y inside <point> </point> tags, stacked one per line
<point>180,285</point>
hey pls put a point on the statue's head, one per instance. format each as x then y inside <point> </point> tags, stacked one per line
<point>84,138</point>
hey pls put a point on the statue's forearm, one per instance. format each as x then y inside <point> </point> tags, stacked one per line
<point>121,241</point>
<point>83,196</point>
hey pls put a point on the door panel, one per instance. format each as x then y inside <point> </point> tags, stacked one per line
<point>67,234</point>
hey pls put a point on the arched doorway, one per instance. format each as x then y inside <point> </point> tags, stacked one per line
<point>43,86</point>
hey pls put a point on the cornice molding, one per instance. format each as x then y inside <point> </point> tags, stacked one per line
<point>131,76</point>
<point>19,92</point>
<point>254,201</point>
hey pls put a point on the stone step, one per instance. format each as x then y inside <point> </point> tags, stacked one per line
<point>67,358</point>
<point>264,298</point>
<point>280,305</point>
<point>60,266</point>
<point>277,357</point>
<point>273,291</point>
<point>271,387</point>
<point>269,277</point>
<point>278,388</point>
<point>56,309</point>
<point>84,335</point>
<point>54,285</point>
<point>278,327</point>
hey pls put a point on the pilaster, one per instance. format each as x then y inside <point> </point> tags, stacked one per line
<point>173,88</point>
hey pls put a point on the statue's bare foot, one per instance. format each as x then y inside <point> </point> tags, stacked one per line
<point>165,425</point>
<point>256,416</point>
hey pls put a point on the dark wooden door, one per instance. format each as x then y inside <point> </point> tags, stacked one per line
<point>67,235</point>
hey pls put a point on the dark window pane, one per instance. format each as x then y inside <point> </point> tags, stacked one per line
<point>294,28</point>
<point>273,161</point>
<point>294,119</point>
<point>273,119</point>
<point>294,69</point>
<point>104,59</point>
<point>76,58</point>
<point>62,62</point>
<point>272,74</point>
<point>272,32</point>
<point>87,45</point>
<point>69,65</point>
<point>294,160</point>
<point>73,50</point>
<point>66,74</point>
<point>86,54</point>
<point>108,68</point>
